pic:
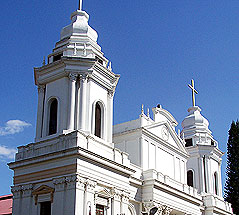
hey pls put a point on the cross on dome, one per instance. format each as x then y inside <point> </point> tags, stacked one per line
<point>193,92</point>
<point>80,5</point>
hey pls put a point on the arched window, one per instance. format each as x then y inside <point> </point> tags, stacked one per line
<point>215,183</point>
<point>190,178</point>
<point>53,117</point>
<point>98,119</point>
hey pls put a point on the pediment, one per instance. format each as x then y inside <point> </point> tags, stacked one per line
<point>105,193</point>
<point>44,189</point>
<point>166,134</point>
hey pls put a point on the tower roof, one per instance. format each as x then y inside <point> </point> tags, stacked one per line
<point>79,27</point>
<point>78,39</point>
<point>195,119</point>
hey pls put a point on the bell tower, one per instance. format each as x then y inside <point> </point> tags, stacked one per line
<point>73,167</point>
<point>204,164</point>
<point>76,86</point>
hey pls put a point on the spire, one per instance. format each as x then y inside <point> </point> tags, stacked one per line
<point>80,5</point>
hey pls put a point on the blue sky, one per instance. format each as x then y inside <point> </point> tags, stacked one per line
<point>156,46</point>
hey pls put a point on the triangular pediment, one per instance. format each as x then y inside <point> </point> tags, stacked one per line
<point>166,134</point>
<point>44,189</point>
<point>105,193</point>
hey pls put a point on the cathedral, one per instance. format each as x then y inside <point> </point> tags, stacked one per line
<point>80,164</point>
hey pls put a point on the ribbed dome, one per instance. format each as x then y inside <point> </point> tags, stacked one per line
<point>195,119</point>
<point>79,27</point>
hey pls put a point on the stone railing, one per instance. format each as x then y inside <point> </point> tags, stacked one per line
<point>153,174</point>
<point>216,201</point>
<point>70,141</point>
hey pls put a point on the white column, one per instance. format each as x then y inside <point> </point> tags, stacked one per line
<point>124,202</point>
<point>27,199</point>
<point>58,206</point>
<point>116,202</point>
<point>40,110</point>
<point>16,205</point>
<point>201,178</point>
<point>72,97</point>
<point>219,179</point>
<point>109,115</point>
<point>82,110</point>
<point>80,190</point>
<point>208,179</point>
<point>70,195</point>
<point>89,197</point>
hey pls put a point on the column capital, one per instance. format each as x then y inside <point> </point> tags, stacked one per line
<point>73,76</point>
<point>116,193</point>
<point>125,196</point>
<point>27,189</point>
<point>166,210</point>
<point>41,88</point>
<point>59,183</point>
<point>111,93</point>
<point>90,185</point>
<point>84,77</point>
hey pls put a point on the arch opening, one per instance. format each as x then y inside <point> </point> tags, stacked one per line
<point>98,119</point>
<point>215,183</point>
<point>190,178</point>
<point>53,117</point>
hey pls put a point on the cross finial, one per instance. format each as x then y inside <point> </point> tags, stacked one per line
<point>193,92</point>
<point>80,5</point>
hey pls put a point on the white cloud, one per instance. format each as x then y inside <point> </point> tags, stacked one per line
<point>7,153</point>
<point>13,127</point>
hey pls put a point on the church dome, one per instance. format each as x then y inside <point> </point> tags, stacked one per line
<point>79,26</point>
<point>195,119</point>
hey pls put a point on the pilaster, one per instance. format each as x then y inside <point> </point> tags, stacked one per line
<point>89,203</point>
<point>116,201</point>
<point>207,177</point>
<point>109,123</point>
<point>80,193</point>
<point>16,191</point>
<point>82,102</point>
<point>124,202</point>
<point>72,97</point>
<point>40,109</point>
<point>70,197</point>
<point>59,203</point>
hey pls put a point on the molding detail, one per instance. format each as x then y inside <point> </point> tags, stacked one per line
<point>162,209</point>
<point>59,183</point>
<point>25,190</point>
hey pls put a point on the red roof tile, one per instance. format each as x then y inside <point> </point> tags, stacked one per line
<point>6,204</point>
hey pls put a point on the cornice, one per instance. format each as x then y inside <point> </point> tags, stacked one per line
<point>77,65</point>
<point>72,152</point>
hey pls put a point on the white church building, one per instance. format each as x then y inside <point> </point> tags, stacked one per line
<point>80,164</point>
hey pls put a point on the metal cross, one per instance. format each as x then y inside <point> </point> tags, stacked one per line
<point>193,92</point>
<point>80,5</point>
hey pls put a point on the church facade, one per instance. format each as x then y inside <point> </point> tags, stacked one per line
<point>80,164</point>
